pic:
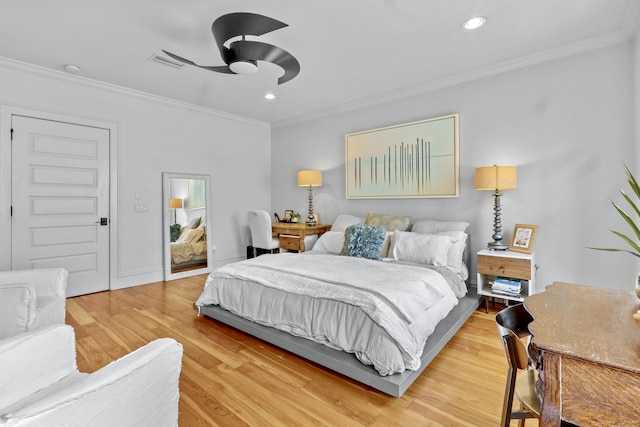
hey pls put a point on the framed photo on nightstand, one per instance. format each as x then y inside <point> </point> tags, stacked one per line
<point>523,237</point>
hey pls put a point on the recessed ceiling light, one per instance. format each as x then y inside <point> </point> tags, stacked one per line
<point>270,96</point>
<point>473,23</point>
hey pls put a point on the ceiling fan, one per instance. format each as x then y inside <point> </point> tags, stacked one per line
<point>242,55</point>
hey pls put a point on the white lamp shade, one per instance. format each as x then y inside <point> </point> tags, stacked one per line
<point>496,178</point>
<point>308,178</point>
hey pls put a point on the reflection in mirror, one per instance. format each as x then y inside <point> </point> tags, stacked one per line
<point>187,241</point>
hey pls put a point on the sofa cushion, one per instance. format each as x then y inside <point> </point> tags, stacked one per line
<point>18,308</point>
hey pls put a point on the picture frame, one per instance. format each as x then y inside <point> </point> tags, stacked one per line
<point>287,215</point>
<point>316,217</point>
<point>523,238</point>
<point>411,160</point>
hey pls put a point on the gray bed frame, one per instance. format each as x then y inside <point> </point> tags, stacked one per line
<point>346,363</point>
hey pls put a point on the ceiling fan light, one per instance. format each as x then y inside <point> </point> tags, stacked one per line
<point>244,67</point>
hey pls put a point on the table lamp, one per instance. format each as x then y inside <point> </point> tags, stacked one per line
<point>310,178</point>
<point>175,204</point>
<point>496,178</point>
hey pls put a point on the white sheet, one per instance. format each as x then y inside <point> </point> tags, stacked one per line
<point>344,317</point>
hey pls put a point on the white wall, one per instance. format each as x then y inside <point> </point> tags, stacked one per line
<point>155,136</point>
<point>567,124</point>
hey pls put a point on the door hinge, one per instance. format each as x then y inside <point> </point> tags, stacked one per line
<point>11,213</point>
<point>11,134</point>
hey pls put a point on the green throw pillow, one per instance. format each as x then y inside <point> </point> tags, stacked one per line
<point>389,222</point>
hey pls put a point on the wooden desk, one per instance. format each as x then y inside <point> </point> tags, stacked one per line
<point>590,347</point>
<point>284,229</point>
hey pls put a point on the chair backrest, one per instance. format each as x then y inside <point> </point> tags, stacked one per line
<point>512,323</point>
<point>260,225</point>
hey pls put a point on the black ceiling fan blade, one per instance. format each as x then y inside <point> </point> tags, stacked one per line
<point>179,58</point>
<point>242,24</point>
<point>217,68</point>
<point>258,51</point>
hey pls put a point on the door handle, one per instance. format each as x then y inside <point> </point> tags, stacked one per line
<point>103,221</point>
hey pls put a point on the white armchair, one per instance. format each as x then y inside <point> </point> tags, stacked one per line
<point>41,384</point>
<point>31,299</point>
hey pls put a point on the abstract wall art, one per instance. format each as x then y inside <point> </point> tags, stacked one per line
<point>410,160</point>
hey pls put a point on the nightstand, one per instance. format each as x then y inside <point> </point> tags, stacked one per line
<point>508,264</point>
<point>291,234</point>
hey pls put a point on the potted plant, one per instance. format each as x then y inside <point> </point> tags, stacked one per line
<point>295,217</point>
<point>635,247</point>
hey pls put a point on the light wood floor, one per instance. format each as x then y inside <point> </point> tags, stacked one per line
<point>231,379</point>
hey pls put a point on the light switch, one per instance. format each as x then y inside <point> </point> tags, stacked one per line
<point>140,207</point>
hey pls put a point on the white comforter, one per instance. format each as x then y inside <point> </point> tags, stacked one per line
<point>382,312</point>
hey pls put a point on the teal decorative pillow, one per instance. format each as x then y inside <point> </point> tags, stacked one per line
<point>363,241</point>
<point>174,232</point>
<point>389,222</point>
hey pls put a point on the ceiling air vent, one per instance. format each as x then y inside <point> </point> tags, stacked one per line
<point>156,57</point>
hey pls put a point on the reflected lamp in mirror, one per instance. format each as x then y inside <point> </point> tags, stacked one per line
<point>497,179</point>
<point>310,178</point>
<point>175,204</point>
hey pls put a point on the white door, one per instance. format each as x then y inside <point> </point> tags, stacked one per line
<point>60,200</point>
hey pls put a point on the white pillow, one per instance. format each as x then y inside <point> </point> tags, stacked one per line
<point>331,241</point>
<point>431,226</point>
<point>343,221</point>
<point>420,248</point>
<point>195,222</point>
<point>190,235</point>
<point>386,245</point>
<point>456,250</point>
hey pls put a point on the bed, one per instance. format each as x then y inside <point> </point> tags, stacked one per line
<point>189,249</point>
<point>378,315</point>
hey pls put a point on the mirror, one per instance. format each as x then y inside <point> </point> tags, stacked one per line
<point>186,225</point>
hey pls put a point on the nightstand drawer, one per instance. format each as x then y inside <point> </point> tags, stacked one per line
<point>503,266</point>
<point>291,243</point>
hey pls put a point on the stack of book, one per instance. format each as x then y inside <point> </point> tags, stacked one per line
<point>506,286</point>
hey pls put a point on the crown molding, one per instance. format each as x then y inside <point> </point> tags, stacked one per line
<point>610,39</point>
<point>96,84</point>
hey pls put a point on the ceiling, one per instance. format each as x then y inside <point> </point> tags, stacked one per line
<point>352,53</point>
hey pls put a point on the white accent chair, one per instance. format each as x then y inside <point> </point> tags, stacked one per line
<point>31,299</point>
<point>41,384</point>
<point>261,239</point>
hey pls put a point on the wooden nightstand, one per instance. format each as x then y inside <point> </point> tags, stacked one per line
<point>291,234</point>
<point>512,265</point>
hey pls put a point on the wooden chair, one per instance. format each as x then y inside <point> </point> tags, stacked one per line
<point>522,376</point>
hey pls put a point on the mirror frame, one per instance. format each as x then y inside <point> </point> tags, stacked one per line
<point>166,189</point>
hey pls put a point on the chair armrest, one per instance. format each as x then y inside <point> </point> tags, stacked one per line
<point>17,309</point>
<point>34,360</point>
<point>140,388</point>
<point>46,281</point>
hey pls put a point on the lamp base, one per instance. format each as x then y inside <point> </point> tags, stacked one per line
<point>498,246</point>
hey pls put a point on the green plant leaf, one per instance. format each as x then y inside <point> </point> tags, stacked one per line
<point>631,243</point>
<point>636,190</point>
<point>632,182</point>
<point>615,250</point>
<point>629,221</point>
